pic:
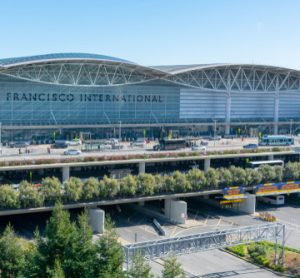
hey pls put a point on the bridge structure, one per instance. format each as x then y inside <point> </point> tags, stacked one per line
<point>210,240</point>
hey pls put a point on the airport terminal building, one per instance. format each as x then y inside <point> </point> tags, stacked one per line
<point>77,92</point>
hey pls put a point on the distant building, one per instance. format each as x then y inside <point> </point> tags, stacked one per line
<point>76,92</point>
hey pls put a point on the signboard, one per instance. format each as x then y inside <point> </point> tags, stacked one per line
<point>277,188</point>
<point>234,201</point>
<point>235,192</point>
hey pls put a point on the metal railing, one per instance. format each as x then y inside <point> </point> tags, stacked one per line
<point>210,240</point>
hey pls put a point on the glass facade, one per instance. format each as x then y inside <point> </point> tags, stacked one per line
<point>28,103</point>
<point>82,91</point>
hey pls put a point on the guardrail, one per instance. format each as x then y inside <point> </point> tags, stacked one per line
<point>210,240</point>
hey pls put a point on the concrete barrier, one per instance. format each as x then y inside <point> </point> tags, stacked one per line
<point>96,220</point>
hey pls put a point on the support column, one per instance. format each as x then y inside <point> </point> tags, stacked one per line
<point>227,116</point>
<point>176,211</point>
<point>142,167</point>
<point>249,205</point>
<point>276,113</point>
<point>65,173</point>
<point>206,164</point>
<point>271,157</point>
<point>96,220</point>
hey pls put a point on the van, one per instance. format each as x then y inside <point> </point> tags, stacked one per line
<point>273,200</point>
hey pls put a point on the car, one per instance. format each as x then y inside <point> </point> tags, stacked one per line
<point>204,143</point>
<point>105,147</point>
<point>72,152</point>
<point>74,142</point>
<point>250,146</point>
<point>215,138</point>
<point>198,148</point>
<point>140,142</point>
<point>20,144</point>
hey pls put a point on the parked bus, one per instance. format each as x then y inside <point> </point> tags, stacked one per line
<point>276,140</point>
<point>256,164</point>
<point>273,200</point>
<point>170,144</point>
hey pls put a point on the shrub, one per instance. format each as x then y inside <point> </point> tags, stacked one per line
<point>8,197</point>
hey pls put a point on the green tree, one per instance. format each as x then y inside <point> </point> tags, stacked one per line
<point>278,172</point>
<point>181,183</point>
<point>139,267</point>
<point>212,178</point>
<point>267,172</point>
<point>128,186</point>
<point>90,189</point>
<point>81,255</point>
<point>158,183</point>
<point>291,171</point>
<point>29,196</point>
<point>145,184</point>
<point>12,255</point>
<point>73,189</point>
<point>60,236</point>
<point>110,255</point>
<point>238,175</point>
<point>8,197</point>
<point>225,177</point>
<point>51,189</point>
<point>57,272</point>
<point>253,177</point>
<point>172,268</point>
<point>169,184</point>
<point>111,187</point>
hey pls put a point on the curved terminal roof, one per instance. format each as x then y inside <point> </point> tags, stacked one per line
<point>60,56</point>
<point>93,70</point>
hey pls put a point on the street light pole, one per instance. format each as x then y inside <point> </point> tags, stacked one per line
<point>215,129</point>
<point>0,138</point>
<point>291,126</point>
<point>120,130</point>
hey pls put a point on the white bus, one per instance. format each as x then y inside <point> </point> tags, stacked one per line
<point>256,164</point>
<point>273,200</point>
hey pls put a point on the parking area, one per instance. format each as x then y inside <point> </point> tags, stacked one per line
<point>289,215</point>
<point>214,264</point>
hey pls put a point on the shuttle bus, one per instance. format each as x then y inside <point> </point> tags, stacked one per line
<point>257,164</point>
<point>276,140</point>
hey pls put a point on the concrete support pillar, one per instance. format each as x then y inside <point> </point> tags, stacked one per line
<point>276,113</point>
<point>228,113</point>
<point>96,220</point>
<point>65,173</point>
<point>176,211</point>
<point>206,164</point>
<point>142,167</point>
<point>271,157</point>
<point>249,205</point>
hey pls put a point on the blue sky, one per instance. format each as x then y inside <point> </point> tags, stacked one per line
<point>156,32</point>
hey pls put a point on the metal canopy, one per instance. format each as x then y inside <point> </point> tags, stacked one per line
<point>80,69</point>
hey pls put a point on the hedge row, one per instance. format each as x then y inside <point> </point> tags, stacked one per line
<point>134,156</point>
<point>75,190</point>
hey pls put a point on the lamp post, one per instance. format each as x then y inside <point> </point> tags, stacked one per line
<point>291,126</point>
<point>120,131</point>
<point>0,138</point>
<point>215,130</point>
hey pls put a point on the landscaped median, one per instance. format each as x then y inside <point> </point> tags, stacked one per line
<point>263,254</point>
<point>75,190</point>
<point>145,156</point>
